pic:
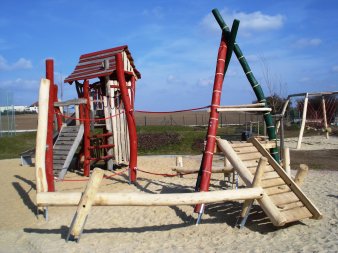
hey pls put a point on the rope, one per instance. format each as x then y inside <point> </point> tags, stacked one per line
<point>164,174</point>
<point>83,119</point>
<point>184,110</point>
<point>86,179</point>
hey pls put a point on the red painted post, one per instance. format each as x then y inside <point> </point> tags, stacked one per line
<point>86,135</point>
<point>213,120</point>
<point>130,117</point>
<point>57,109</point>
<point>50,127</point>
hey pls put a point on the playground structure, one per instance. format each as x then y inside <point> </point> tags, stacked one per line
<point>315,117</point>
<point>256,162</point>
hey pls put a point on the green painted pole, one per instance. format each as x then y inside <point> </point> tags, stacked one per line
<point>254,84</point>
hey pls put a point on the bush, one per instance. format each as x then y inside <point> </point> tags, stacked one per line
<point>153,141</point>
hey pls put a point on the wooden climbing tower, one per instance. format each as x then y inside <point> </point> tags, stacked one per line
<point>102,126</point>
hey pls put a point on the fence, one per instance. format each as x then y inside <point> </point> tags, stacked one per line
<point>7,113</point>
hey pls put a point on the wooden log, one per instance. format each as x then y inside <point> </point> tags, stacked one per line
<point>41,137</point>
<point>145,199</point>
<point>325,118</point>
<point>179,161</point>
<point>86,202</point>
<point>256,182</point>
<point>268,207</point>
<point>283,113</point>
<point>301,132</point>
<point>293,186</point>
<point>225,170</point>
<point>77,115</point>
<point>301,174</point>
<point>245,105</point>
<point>286,162</point>
<point>244,109</point>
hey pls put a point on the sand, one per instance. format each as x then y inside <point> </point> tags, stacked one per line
<point>159,229</point>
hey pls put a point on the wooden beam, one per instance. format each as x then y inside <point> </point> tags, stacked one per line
<point>244,109</point>
<point>85,203</point>
<point>301,174</point>
<point>226,170</point>
<point>79,101</point>
<point>246,105</point>
<point>301,132</point>
<point>41,137</point>
<point>145,199</point>
<point>293,186</point>
<point>256,182</point>
<point>286,161</point>
<point>324,117</point>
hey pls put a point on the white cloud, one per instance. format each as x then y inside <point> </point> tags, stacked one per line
<point>22,63</point>
<point>305,42</point>
<point>22,84</point>
<point>249,22</point>
<point>205,81</point>
<point>335,69</point>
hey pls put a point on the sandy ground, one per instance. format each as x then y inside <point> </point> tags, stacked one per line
<point>159,229</point>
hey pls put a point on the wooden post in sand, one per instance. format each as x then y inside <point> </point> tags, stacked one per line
<point>256,182</point>
<point>286,161</point>
<point>179,161</point>
<point>301,132</point>
<point>85,205</point>
<point>301,174</point>
<point>325,118</point>
<point>41,137</point>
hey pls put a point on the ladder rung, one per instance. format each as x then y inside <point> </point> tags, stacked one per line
<point>102,158</point>
<point>102,135</point>
<point>102,146</point>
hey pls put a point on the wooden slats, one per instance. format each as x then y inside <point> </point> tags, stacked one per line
<point>296,214</point>
<point>276,189</point>
<point>284,198</point>
<point>272,182</point>
<point>290,206</point>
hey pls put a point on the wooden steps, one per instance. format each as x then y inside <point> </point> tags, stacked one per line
<point>65,148</point>
<point>291,202</point>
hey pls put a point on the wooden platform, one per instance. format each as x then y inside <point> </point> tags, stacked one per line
<point>289,199</point>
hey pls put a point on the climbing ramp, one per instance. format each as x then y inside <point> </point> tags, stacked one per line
<point>65,147</point>
<point>283,201</point>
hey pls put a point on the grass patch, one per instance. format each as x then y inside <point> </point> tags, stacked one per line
<point>12,146</point>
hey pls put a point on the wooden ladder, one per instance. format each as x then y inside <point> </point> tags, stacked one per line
<point>283,192</point>
<point>65,147</point>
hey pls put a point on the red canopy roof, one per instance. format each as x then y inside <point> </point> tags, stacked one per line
<point>90,65</point>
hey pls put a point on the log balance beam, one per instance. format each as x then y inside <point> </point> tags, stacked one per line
<point>145,199</point>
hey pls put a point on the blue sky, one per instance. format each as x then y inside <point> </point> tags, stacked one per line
<point>174,44</point>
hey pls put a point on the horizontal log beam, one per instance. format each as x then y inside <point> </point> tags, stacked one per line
<point>143,199</point>
<point>79,101</point>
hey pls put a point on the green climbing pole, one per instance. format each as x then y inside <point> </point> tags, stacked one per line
<point>254,84</point>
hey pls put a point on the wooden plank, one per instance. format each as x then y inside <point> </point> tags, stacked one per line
<point>249,156</point>
<point>284,198</point>
<point>85,203</point>
<point>270,175</point>
<point>276,189</point>
<point>291,205</point>
<point>243,150</point>
<point>108,123</point>
<point>296,214</point>
<point>293,186</point>
<point>272,182</point>
<point>239,144</point>
<point>80,101</point>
